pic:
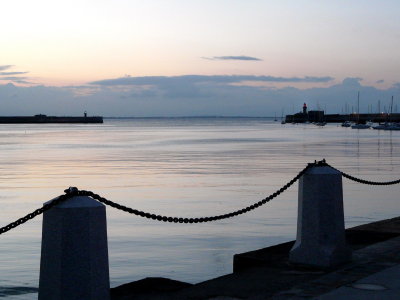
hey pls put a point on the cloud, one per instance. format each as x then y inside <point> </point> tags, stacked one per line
<point>11,73</point>
<point>380,81</point>
<point>5,67</point>
<point>352,81</point>
<point>239,57</point>
<point>82,90</point>
<point>12,80</point>
<point>13,76</point>
<point>200,79</point>
<point>193,95</point>
<point>22,81</point>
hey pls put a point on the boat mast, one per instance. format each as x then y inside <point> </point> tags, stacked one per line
<point>358,107</point>
<point>391,106</point>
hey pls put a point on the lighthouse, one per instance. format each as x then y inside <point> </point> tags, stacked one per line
<point>304,108</point>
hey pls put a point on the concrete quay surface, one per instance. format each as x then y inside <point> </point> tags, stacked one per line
<point>373,273</point>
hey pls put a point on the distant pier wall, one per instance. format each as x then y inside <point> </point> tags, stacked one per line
<point>319,116</point>
<point>43,119</point>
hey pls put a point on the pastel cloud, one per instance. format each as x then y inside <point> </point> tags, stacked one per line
<point>233,57</point>
<point>11,73</point>
<point>13,76</point>
<point>5,67</point>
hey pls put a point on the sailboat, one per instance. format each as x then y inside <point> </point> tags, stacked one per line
<point>386,124</point>
<point>283,121</point>
<point>346,123</point>
<point>390,125</point>
<point>359,125</point>
<point>321,122</point>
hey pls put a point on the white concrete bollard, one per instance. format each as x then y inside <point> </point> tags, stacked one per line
<point>320,238</point>
<point>74,258</point>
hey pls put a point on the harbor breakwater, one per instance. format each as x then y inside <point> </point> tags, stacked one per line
<point>320,116</point>
<point>43,119</point>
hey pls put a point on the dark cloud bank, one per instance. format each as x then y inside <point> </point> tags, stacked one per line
<point>191,95</point>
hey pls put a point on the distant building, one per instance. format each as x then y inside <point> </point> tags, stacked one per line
<point>316,116</point>
<point>306,116</point>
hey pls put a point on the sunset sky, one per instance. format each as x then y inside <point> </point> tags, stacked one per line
<point>88,49</point>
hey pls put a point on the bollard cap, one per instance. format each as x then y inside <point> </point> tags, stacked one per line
<point>78,202</point>
<point>322,170</point>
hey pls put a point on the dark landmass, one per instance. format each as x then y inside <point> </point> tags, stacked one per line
<point>43,119</point>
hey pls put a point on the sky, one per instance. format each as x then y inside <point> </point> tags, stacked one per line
<point>196,58</point>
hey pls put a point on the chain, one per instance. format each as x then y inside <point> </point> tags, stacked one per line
<point>363,181</point>
<point>73,191</point>
<point>69,193</point>
<point>194,220</point>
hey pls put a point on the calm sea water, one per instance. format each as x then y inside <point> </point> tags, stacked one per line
<point>181,167</point>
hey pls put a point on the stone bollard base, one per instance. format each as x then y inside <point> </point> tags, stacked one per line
<point>320,238</point>
<point>74,259</point>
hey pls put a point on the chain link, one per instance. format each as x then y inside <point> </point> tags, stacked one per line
<point>37,212</point>
<point>73,191</point>
<point>194,220</point>
<point>363,181</point>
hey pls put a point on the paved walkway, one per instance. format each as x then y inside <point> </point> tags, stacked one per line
<point>373,273</point>
<point>384,285</point>
<point>380,258</point>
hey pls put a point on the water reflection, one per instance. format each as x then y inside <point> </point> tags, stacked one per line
<point>187,168</point>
